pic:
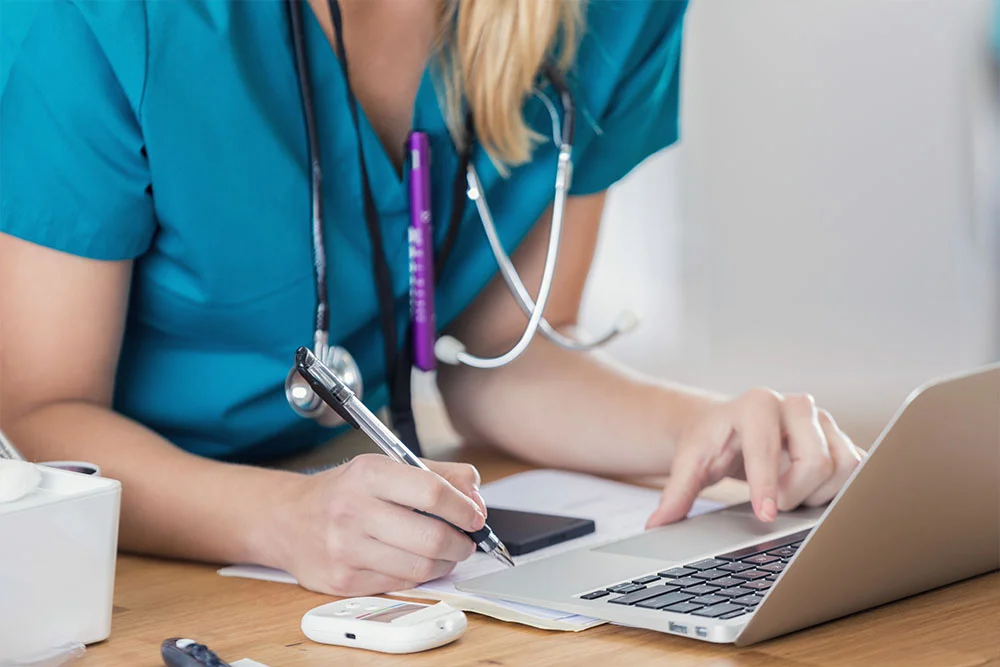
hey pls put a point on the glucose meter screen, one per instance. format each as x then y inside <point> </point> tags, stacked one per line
<point>392,613</point>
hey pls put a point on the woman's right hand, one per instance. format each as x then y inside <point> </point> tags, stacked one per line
<point>350,531</point>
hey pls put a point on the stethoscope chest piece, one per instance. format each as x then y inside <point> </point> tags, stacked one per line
<point>304,400</point>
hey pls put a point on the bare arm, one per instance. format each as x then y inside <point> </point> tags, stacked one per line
<point>343,531</point>
<point>61,323</point>
<point>551,406</point>
<point>582,411</point>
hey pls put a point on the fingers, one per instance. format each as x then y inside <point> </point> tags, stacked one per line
<point>812,464</point>
<point>682,488</point>
<point>345,582</point>
<point>420,535</point>
<point>418,489</point>
<point>845,457</point>
<point>760,426</point>
<point>756,428</point>
<point>401,564</point>
<point>710,449</point>
<point>462,476</point>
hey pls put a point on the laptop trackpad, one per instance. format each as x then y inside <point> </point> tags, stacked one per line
<point>710,534</point>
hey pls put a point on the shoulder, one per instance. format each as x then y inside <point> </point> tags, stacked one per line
<point>627,48</point>
<point>621,33</point>
<point>70,39</point>
<point>626,83</point>
<point>610,17</point>
<point>620,36</point>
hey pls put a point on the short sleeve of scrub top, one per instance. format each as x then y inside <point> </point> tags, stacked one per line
<point>171,134</point>
<point>74,176</point>
<point>640,114</point>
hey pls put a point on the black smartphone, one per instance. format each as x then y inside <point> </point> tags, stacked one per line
<point>524,532</point>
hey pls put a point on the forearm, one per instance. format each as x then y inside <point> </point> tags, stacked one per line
<point>174,504</point>
<point>582,411</point>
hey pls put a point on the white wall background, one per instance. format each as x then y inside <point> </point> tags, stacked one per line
<point>824,225</point>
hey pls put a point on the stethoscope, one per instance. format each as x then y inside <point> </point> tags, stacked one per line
<point>447,349</point>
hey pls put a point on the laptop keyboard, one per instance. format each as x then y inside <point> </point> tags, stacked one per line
<point>726,586</point>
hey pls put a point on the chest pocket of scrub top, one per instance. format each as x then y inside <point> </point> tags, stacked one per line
<point>243,314</point>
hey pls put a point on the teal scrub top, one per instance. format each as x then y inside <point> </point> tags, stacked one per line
<point>171,133</point>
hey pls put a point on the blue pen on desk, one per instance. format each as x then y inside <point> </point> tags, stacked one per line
<point>339,396</point>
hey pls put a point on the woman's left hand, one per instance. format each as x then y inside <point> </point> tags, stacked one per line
<point>790,452</point>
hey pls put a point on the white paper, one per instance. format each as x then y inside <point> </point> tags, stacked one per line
<point>258,572</point>
<point>618,510</point>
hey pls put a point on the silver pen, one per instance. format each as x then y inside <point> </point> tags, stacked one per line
<point>339,396</point>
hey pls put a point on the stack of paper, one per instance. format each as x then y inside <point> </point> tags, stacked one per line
<point>618,510</point>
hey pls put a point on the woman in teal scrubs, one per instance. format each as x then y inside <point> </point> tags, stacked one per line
<point>157,275</point>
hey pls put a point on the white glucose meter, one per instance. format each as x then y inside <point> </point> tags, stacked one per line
<point>381,624</point>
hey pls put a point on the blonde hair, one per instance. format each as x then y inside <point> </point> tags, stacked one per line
<point>491,53</point>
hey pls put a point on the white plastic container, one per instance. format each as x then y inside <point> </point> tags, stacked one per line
<point>57,564</point>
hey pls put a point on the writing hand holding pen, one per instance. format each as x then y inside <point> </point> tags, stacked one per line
<point>350,530</point>
<point>339,396</point>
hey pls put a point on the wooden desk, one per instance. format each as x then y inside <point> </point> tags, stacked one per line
<point>958,626</point>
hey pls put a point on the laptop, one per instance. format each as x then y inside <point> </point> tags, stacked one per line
<point>921,512</point>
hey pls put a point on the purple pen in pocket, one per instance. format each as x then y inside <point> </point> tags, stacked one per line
<point>421,252</point>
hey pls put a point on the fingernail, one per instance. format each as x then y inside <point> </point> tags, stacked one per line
<point>769,509</point>
<point>480,520</point>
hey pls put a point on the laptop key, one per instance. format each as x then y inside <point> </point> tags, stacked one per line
<point>685,582</point>
<point>728,582</point>
<point>774,567</point>
<point>706,600</point>
<point>661,601</point>
<point>761,559</point>
<point>758,585</point>
<point>717,610</point>
<point>594,595</point>
<point>750,575</point>
<point>701,589</point>
<point>710,574</point>
<point>783,552</point>
<point>749,600</point>
<point>646,580</point>
<point>734,614</point>
<point>627,587</point>
<point>683,607</point>
<point>770,545</point>
<point>736,566</point>
<point>706,564</point>
<point>645,594</point>
<point>677,573</point>
<point>735,592</point>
